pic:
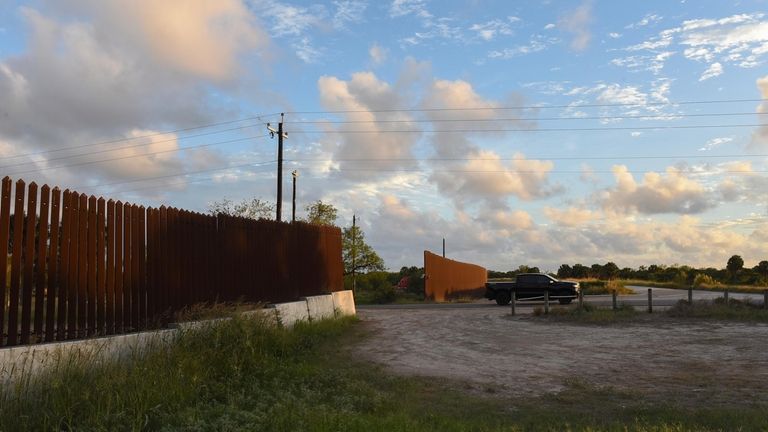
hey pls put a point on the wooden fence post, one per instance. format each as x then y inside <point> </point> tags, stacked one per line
<point>690,295</point>
<point>546,302</point>
<point>614,300</point>
<point>725,296</point>
<point>513,301</point>
<point>581,299</point>
<point>650,300</point>
<point>765,299</point>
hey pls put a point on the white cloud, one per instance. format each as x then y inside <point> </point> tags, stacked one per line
<point>484,176</point>
<point>106,69</point>
<point>715,142</point>
<point>537,43</point>
<point>671,192</point>
<point>571,216</point>
<point>760,135</point>
<point>714,70</point>
<point>649,19</point>
<point>365,94</point>
<point>489,30</point>
<point>549,26</point>
<point>653,63</point>
<point>614,35</point>
<point>378,54</point>
<point>400,8</point>
<point>578,24</point>
<point>306,51</point>
<point>348,11</point>
<point>289,20</point>
<point>740,40</point>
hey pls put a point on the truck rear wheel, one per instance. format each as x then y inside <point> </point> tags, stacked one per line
<point>502,298</point>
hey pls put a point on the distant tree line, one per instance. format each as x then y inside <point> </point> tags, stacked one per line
<point>734,272</point>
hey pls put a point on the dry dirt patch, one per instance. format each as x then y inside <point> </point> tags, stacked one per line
<point>689,362</point>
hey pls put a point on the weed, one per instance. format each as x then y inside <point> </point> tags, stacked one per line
<point>737,310</point>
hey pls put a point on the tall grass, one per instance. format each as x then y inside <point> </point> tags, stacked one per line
<point>245,374</point>
<point>181,385</point>
<point>733,310</point>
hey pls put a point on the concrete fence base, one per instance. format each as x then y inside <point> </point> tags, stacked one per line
<point>25,361</point>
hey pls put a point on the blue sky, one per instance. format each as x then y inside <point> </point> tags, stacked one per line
<point>531,133</point>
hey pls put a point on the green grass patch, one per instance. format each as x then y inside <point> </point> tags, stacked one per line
<point>588,314</point>
<point>735,310</point>
<point>246,375</point>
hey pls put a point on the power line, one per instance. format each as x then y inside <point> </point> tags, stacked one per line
<point>138,155</point>
<point>168,184</point>
<point>520,107</point>
<point>181,174</point>
<point>259,117</point>
<point>594,129</point>
<point>540,171</point>
<point>526,158</point>
<point>121,148</point>
<point>656,117</point>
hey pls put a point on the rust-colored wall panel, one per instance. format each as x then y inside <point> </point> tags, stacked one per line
<point>111,267</point>
<point>445,278</point>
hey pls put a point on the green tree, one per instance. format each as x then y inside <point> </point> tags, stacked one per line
<point>251,209</point>
<point>762,268</point>
<point>355,249</point>
<point>565,271</point>
<point>735,263</point>
<point>320,213</point>
<point>610,270</point>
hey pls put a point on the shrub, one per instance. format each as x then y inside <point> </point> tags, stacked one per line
<point>703,279</point>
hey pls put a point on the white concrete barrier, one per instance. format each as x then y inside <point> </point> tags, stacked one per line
<point>28,360</point>
<point>320,307</point>
<point>289,314</point>
<point>344,303</point>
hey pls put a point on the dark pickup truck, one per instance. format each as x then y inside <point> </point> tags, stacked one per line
<point>528,285</point>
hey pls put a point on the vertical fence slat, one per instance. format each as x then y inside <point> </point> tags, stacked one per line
<point>119,258</point>
<point>28,254</point>
<point>62,292</point>
<point>5,221</point>
<point>41,286</point>
<point>74,251</point>
<point>150,268</point>
<point>162,265</point>
<point>18,232</point>
<point>91,266</point>
<point>110,282</point>
<point>82,268</point>
<point>135,258</point>
<point>175,277</point>
<point>101,277</point>
<point>141,264</point>
<point>127,266</point>
<point>53,266</point>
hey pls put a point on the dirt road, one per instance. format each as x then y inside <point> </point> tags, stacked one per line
<point>688,361</point>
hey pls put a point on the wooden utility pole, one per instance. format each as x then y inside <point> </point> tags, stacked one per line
<point>280,136</point>
<point>354,252</point>
<point>293,207</point>
<point>443,248</point>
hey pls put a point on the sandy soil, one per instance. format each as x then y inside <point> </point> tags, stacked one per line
<point>683,360</point>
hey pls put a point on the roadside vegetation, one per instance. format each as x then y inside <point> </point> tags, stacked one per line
<point>246,375</point>
<point>589,314</point>
<point>733,310</point>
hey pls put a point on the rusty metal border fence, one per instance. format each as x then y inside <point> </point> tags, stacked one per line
<point>446,278</point>
<point>78,266</point>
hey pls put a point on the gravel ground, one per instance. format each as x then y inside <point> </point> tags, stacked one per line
<point>486,349</point>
